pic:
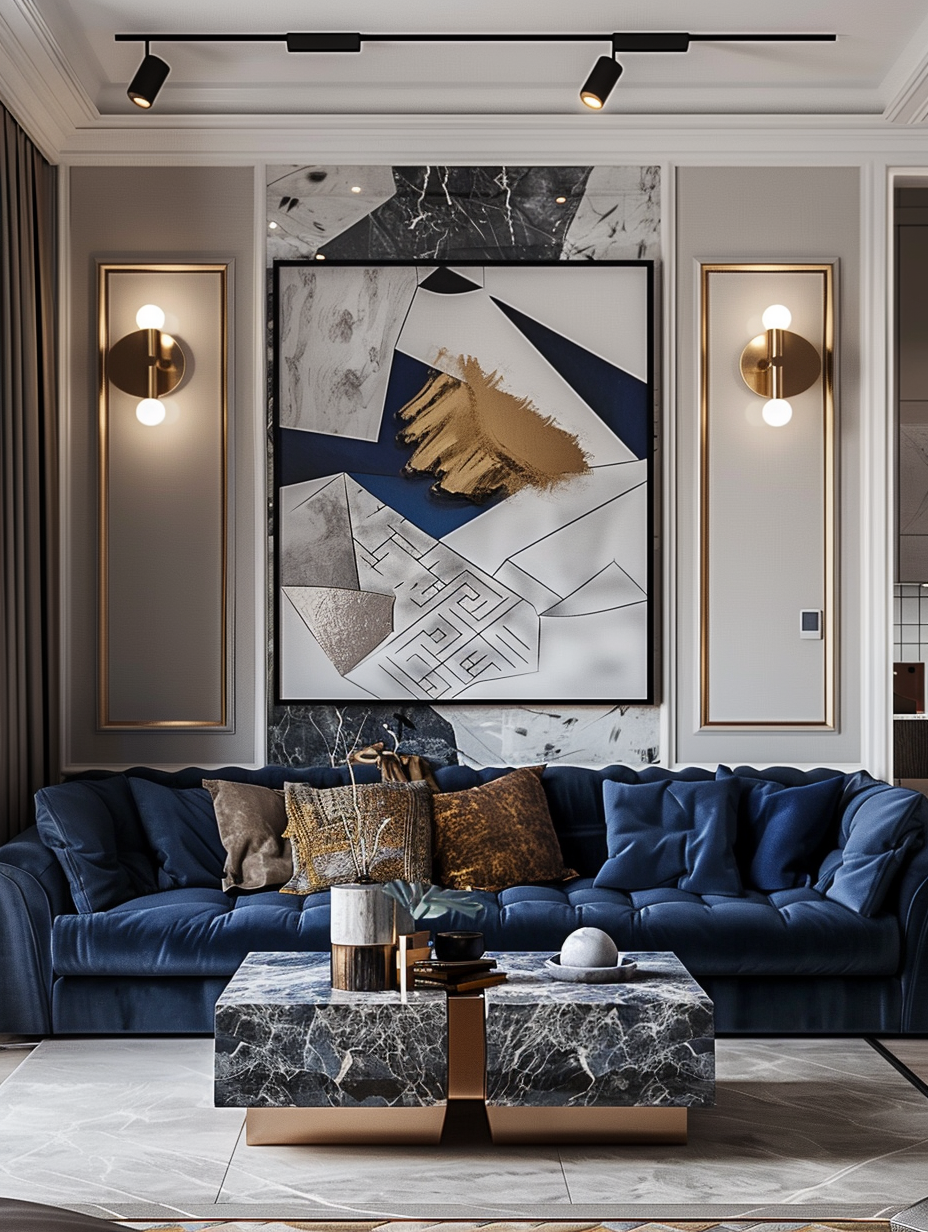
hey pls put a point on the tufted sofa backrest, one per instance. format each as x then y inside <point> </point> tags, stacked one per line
<point>574,793</point>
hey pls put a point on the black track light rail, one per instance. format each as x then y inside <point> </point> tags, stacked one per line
<point>152,72</point>
<point>657,41</point>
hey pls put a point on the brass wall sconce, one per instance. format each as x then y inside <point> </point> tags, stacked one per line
<point>779,365</point>
<point>147,364</point>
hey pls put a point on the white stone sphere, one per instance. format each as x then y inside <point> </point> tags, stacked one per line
<point>589,947</point>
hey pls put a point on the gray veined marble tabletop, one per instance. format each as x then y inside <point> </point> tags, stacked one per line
<point>300,978</point>
<point>660,977</point>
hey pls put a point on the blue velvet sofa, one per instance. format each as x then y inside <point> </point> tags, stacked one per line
<point>797,960</point>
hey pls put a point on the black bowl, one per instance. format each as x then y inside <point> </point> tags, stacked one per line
<point>458,947</point>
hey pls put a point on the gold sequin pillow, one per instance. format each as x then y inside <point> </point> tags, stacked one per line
<point>496,835</point>
<point>394,820</point>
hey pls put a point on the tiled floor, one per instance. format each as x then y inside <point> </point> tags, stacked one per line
<point>13,1051</point>
<point>816,1128</point>
<point>612,1226</point>
<point>912,1053</point>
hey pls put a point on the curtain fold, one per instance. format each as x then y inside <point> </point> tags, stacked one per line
<point>28,478</point>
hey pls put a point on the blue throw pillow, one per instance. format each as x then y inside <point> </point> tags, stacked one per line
<point>881,827</point>
<point>181,826</point>
<point>670,833</point>
<point>783,832</point>
<point>93,828</point>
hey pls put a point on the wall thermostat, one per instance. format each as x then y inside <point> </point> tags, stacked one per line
<point>810,622</point>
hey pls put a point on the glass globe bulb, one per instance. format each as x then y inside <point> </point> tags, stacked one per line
<point>149,412</point>
<point>777,316</point>
<point>149,316</point>
<point>777,412</point>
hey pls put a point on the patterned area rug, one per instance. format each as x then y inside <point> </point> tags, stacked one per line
<point>248,1225</point>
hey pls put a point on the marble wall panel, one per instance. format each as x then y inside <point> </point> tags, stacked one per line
<point>480,213</point>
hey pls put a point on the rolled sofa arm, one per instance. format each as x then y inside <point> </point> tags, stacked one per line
<point>33,890</point>
<point>913,918</point>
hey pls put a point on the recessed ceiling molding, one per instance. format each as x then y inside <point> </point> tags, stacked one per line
<point>36,81</point>
<point>910,106</point>
<point>906,84</point>
<point>786,140</point>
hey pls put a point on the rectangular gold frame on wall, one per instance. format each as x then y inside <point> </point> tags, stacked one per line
<point>747,598</point>
<point>163,603</point>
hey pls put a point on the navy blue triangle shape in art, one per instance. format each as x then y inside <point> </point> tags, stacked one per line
<point>618,398</point>
<point>377,465</point>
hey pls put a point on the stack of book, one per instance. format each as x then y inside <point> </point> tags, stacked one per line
<point>457,976</point>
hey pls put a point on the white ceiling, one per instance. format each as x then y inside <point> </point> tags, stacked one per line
<point>870,71</point>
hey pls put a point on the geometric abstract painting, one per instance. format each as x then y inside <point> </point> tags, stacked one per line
<point>463,488</point>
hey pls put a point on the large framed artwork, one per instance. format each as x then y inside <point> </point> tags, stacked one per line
<point>463,481</point>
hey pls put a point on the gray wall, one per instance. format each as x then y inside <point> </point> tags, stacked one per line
<point>768,214</point>
<point>159,214</point>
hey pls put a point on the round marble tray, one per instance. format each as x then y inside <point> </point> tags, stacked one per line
<point>590,975</point>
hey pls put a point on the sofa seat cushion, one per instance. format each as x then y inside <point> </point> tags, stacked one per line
<point>203,932</point>
<point>187,932</point>
<point>790,932</point>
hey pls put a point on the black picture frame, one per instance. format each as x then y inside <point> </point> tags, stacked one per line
<point>608,658</point>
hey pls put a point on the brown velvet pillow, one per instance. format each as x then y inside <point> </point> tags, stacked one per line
<point>316,819</point>
<point>251,823</point>
<point>496,835</point>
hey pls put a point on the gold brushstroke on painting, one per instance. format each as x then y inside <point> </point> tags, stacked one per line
<point>478,439</point>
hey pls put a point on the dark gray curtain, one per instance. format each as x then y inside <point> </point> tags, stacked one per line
<point>28,478</point>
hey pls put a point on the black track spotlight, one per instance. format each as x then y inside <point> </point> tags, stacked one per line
<point>598,86</point>
<point>151,76</point>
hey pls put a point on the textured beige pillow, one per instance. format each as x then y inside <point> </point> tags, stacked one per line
<point>316,820</point>
<point>251,823</point>
<point>496,835</point>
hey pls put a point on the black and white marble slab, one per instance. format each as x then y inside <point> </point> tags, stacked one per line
<point>645,1042</point>
<point>491,213</point>
<point>286,1038</point>
<point>468,213</point>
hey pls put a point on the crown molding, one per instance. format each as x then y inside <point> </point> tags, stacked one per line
<point>905,86</point>
<point>481,139</point>
<point>36,82</point>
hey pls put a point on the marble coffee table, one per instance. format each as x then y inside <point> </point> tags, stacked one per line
<point>553,1061</point>
<point>314,1064</point>
<point>584,1062</point>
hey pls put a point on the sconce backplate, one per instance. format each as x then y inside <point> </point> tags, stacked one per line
<point>128,361</point>
<point>801,365</point>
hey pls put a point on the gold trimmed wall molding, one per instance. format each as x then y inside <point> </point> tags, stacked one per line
<point>767,539</point>
<point>163,613</point>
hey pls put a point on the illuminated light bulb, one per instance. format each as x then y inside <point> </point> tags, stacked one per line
<point>320,256</point>
<point>356,188</point>
<point>149,316</point>
<point>777,412</point>
<point>149,412</point>
<point>272,226</point>
<point>777,316</point>
<point>560,200</point>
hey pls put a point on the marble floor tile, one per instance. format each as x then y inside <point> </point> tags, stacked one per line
<point>796,1122</point>
<point>913,1053</point>
<point>127,1126</point>
<point>370,1178</point>
<point>12,1055</point>
<point>115,1120</point>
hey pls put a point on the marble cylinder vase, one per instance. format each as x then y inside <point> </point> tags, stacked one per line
<point>362,934</point>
